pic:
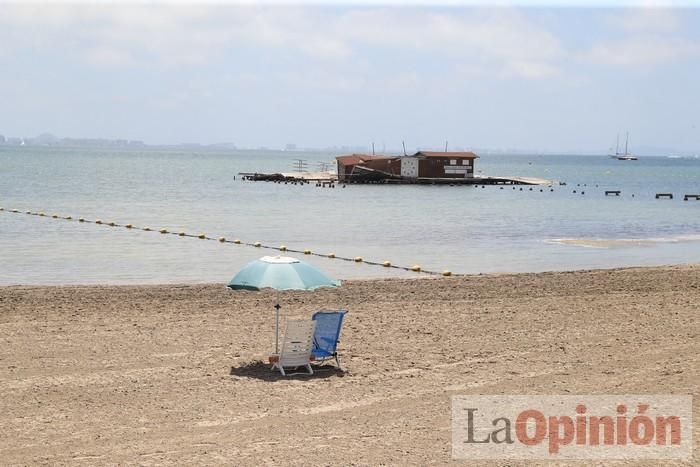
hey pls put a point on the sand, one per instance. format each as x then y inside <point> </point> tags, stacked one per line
<point>172,375</point>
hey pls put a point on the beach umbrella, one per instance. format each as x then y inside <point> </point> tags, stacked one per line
<point>280,273</point>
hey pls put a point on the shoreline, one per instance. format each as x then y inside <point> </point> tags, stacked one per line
<point>417,276</point>
<point>174,374</point>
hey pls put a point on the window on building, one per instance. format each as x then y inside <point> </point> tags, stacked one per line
<point>453,161</point>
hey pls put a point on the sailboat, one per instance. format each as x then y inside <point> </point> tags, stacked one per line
<point>617,148</point>
<point>626,156</point>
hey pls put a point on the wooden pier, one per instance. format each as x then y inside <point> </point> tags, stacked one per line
<point>328,178</point>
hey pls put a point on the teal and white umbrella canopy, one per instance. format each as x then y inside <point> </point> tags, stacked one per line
<point>280,273</point>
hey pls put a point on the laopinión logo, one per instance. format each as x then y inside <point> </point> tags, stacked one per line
<point>572,427</point>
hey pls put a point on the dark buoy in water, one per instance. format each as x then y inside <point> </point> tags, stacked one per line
<point>583,192</point>
<point>574,191</point>
<point>530,189</point>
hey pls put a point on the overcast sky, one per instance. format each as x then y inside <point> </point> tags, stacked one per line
<point>538,78</point>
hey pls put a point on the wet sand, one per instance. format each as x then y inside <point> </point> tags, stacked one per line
<point>154,375</point>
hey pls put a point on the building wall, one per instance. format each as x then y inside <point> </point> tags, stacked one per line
<point>414,167</point>
<point>388,165</point>
<point>446,168</point>
<point>409,167</point>
<point>344,171</point>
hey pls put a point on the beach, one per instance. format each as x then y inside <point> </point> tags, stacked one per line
<point>163,374</point>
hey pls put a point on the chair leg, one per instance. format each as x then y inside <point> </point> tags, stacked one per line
<point>282,370</point>
<point>337,361</point>
<point>308,367</point>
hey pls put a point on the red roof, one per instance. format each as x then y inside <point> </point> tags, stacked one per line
<point>444,155</point>
<point>354,159</point>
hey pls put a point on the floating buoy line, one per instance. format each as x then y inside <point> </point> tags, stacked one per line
<point>235,241</point>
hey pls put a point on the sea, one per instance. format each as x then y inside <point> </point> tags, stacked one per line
<point>462,229</point>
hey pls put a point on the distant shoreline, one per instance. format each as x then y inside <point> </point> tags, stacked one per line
<point>77,143</point>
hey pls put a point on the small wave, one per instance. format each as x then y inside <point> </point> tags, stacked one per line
<point>621,242</point>
<point>695,156</point>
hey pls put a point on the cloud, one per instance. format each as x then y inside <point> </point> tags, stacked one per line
<point>504,40</point>
<point>648,50</point>
<point>652,19</point>
<point>107,56</point>
<point>650,37</point>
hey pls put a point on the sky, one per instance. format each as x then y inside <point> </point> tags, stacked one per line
<point>528,75</point>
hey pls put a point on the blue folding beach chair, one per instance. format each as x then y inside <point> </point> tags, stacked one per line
<point>328,324</point>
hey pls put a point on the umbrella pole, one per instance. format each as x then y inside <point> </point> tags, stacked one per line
<point>277,328</point>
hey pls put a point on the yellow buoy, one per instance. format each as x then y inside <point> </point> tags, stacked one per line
<point>98,221</point>
<point>201,236</point>
<point>82,219</point>
<point>68,217</point>
<point>331,255</point>
<point>307,251</point>
<point>358,259</point>
<point>55,216</point>
<point>283,248</point>
<point>128,226</point>
<point>237,241</point>
<point>14,210</point>
<point>222,239</point>
<point>42,214</point>
<point>386,264</point>
<point>257,244</point>
<point>163,231</point>
<point>446,273</point>
<point>147,229</point>
<point>1,208</point>
<point>415,268</point>
<point>182,234</point>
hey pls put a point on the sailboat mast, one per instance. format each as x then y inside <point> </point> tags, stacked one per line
<point>617,145</point>
<point>627,139</point>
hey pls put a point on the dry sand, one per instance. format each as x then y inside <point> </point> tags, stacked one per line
<point>169,375</point>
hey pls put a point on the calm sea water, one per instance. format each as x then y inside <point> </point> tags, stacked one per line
<point>463,229</point>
